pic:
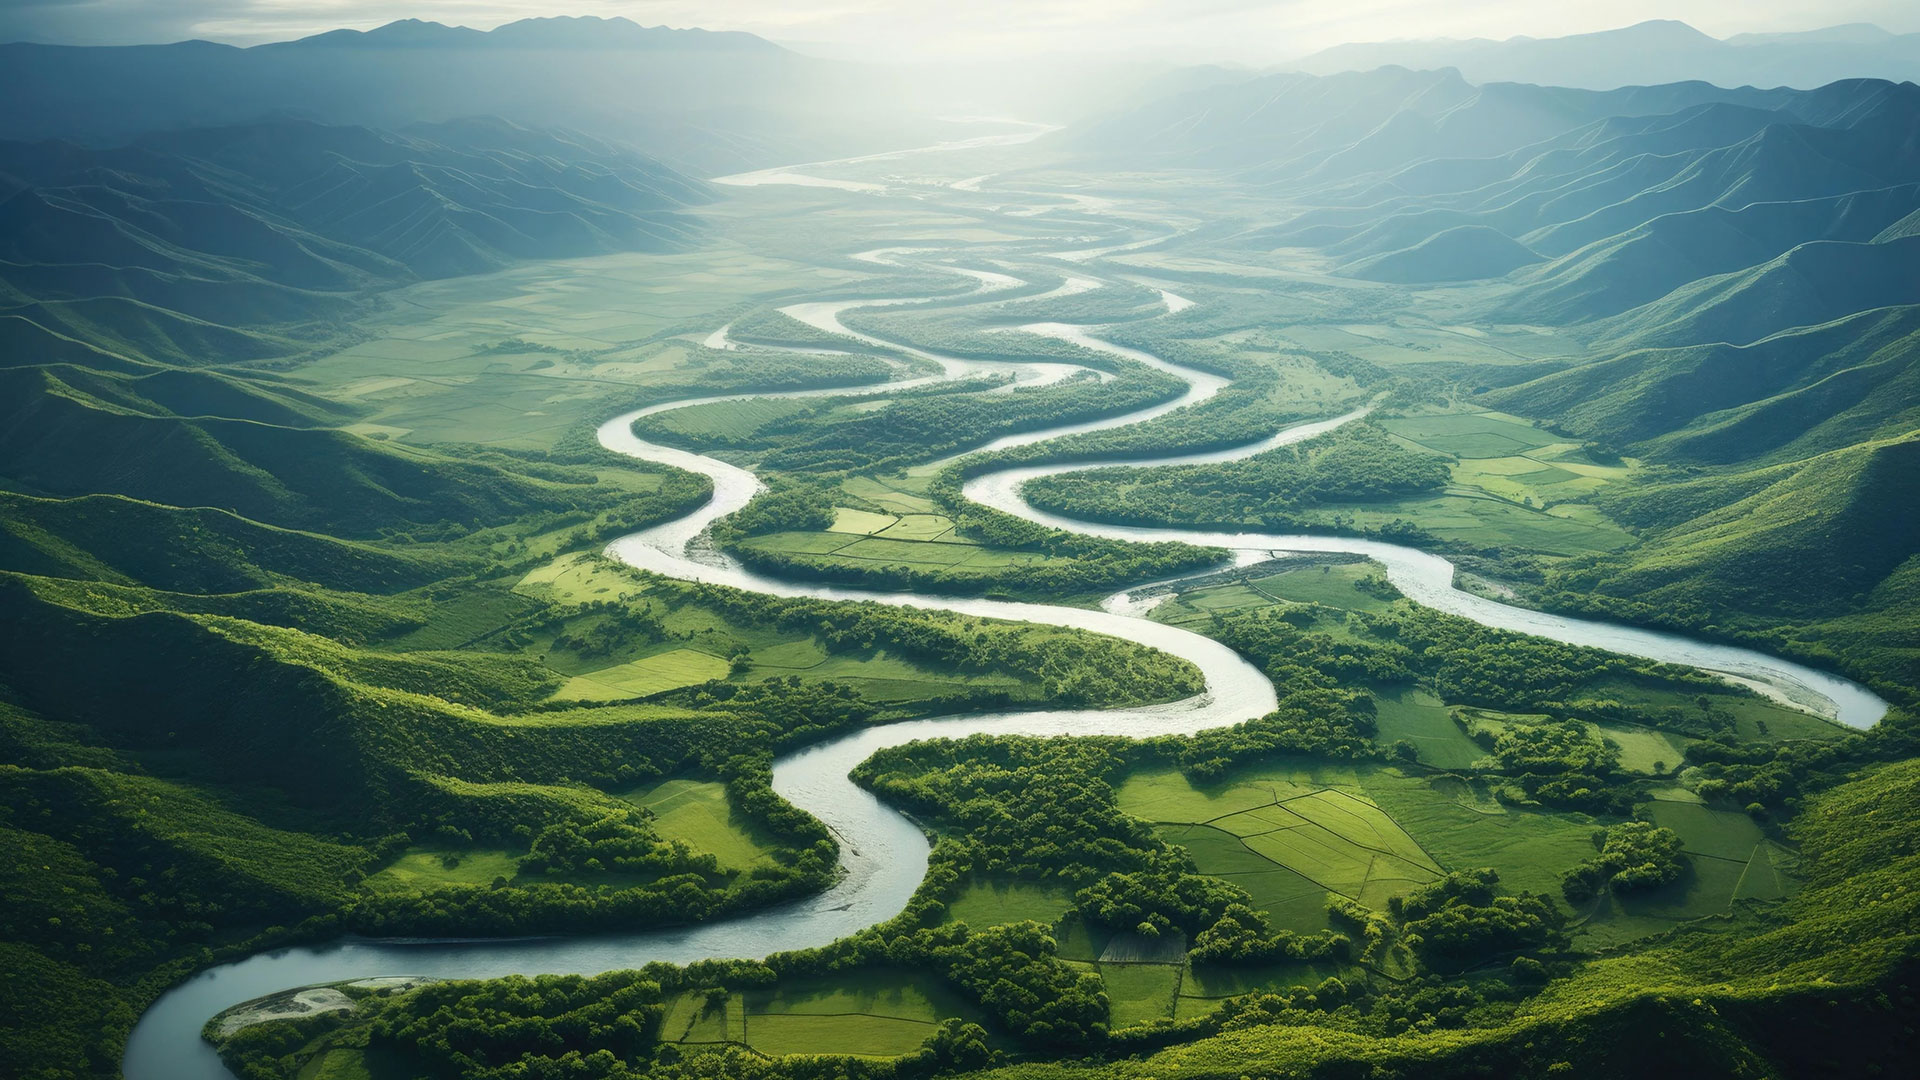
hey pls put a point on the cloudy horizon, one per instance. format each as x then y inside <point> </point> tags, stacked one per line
<point>1247,31</point>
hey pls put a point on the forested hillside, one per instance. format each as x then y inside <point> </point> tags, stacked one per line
<point>1736,267</point>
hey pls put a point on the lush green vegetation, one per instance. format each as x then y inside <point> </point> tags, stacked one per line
<point>1355,462</point>
<point>303,631</point>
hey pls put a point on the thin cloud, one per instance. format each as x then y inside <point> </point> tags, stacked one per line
<point>1254,31</point>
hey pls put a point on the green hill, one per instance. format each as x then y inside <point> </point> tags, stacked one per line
<point>1644,263</point>
<point>1807,537</point>
<point>1463,253</point>
<point>1811,284</point>
<point>55,439</point>
<point>1793,394</point>
<point>233,243</point>
<point>114,539</point>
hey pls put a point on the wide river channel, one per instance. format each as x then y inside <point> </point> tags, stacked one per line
<point>884,855</point>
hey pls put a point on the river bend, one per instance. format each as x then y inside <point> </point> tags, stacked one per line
<point>883,855</point>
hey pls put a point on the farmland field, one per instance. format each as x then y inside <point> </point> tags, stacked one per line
<point>698,812</point>
<point>985,902</point>
<point>1260,825</point>
<point>640,678</point>
<point>871,1013</point>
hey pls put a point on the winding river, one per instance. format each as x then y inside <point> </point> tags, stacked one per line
<point>884,856</point>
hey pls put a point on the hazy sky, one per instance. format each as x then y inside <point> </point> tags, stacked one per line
<point>1256,31</point>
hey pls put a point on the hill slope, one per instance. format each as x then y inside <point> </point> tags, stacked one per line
<point>192,246</point>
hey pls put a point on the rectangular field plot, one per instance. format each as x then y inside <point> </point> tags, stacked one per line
<point>865,1013</point>
<point>698,812</point>
<point>1319,857</point>
<point>859,1035</point>
<point>1203,988</point>
<point>1480,519</point>
<point>1471,435</point>
<point>1360,822</point>
<point>423,868</point>
<point>1325,584</point>
<point>1763,878</point>
<point>989,902</point>
<point>1294,845</point>
<point>651,675</point>
<point>1139,993</point>
<point>1644,750</point>
<point>1165,795</point>
<point>859,522</point>
<point>1707,888</point>
<point>882,495</point>
<point>1460,826</point>
<point>691,1018</point>
<point>1426,722</point>
<point>338,1064</point>
<point>1720,834</point>
<point>923,527</point>
<point>1218,853</point>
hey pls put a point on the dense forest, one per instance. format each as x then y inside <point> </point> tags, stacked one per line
<point>1354,463</point>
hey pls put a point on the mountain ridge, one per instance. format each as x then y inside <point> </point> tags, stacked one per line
<point>1647,53</point>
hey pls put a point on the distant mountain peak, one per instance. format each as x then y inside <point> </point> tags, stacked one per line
<point>1845,34</point>
<point>400,32</point>
<point>1667,28</point>
<point>544,32</point>
<point>1650,53</point>
<point>593,31</point>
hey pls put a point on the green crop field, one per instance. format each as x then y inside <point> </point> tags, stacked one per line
<point>985,902</point>
<point>1329,837</point>
<point>1332,585</point>
<point>1645,750</point>
<point>859,522</point>
<point>1425,721</point>
<point>429,867</point>
<point>640,678</point>
<point>923,527</point>
<point>338,1065</point>
<point>897,499</point>
<point>1461,825</point>
<point>692,1018</point>
<point>1471,435</point>
<point>867,1013</point>
<point>1140,993</point>
<point>698,812</point>
<point>1484,521</point>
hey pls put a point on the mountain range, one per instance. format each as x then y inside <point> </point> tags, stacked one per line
<point>1646,54</point>
<point>709,103</point>
<point>221,243</point>
<point>1741,266</point>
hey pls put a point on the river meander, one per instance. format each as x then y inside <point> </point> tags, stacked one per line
<point>884,855</point>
